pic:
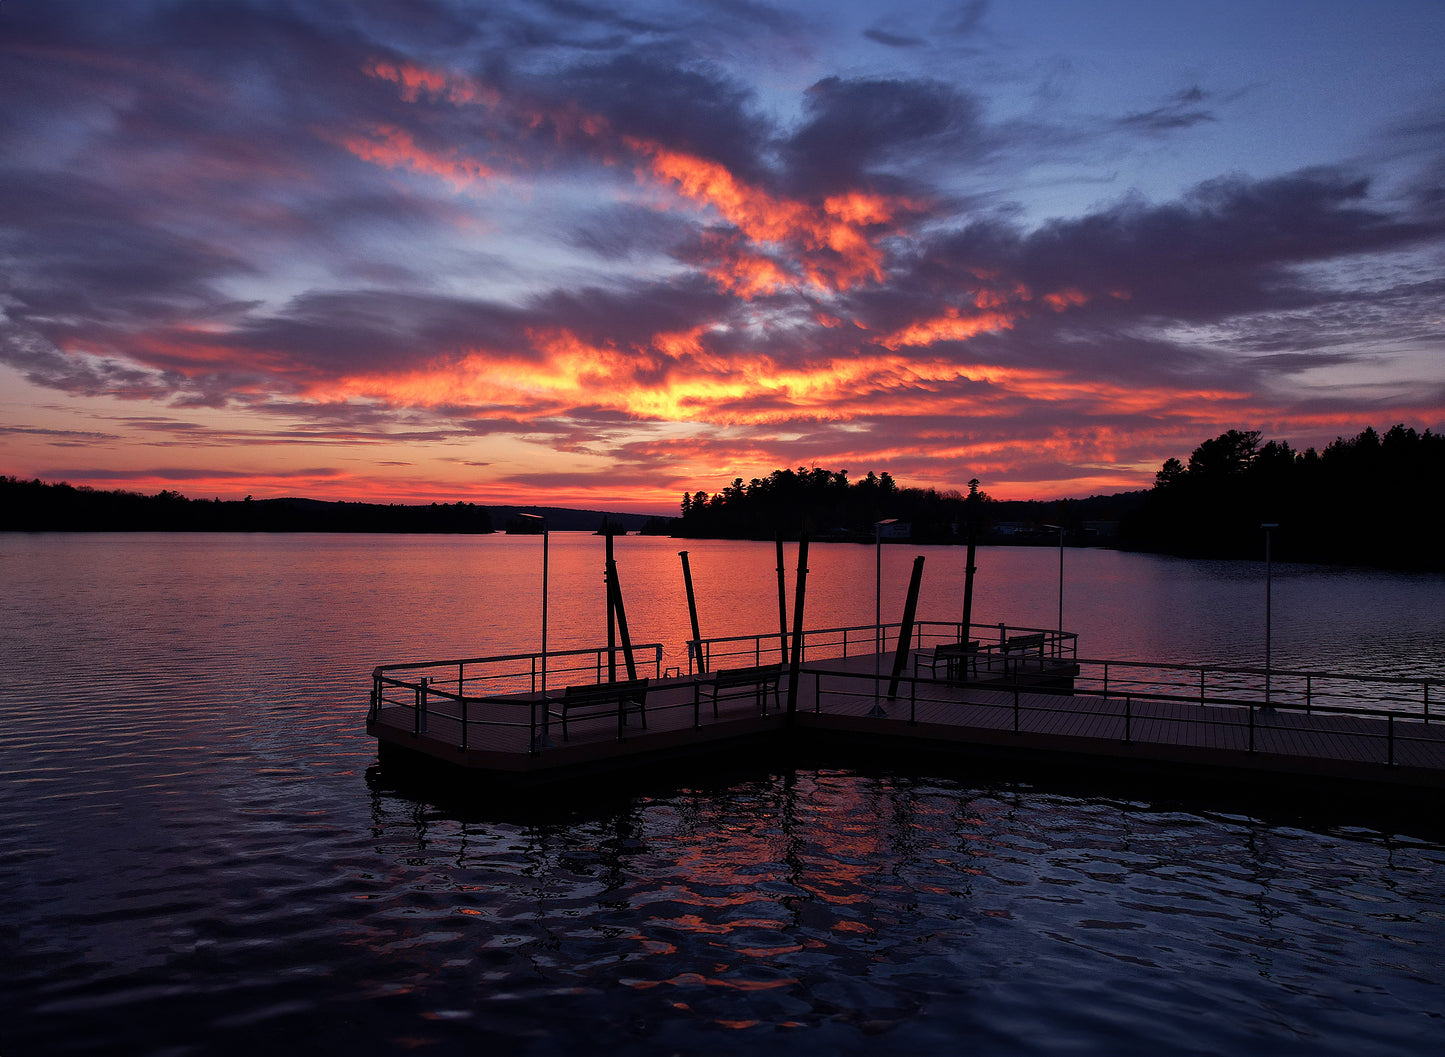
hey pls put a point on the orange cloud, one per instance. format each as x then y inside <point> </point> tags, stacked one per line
<point>838,250</point>
<point>416,81</point>
<point>953,325</point>
<point>837,238</point>
<point>395,148</point>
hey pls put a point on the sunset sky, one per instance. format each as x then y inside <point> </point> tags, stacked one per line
<point>594,254</point>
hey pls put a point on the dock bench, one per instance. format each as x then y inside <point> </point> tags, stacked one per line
<point>757,681</point>
<point>1018,648</point>
<point>957,659</point>
<point>601,699</point>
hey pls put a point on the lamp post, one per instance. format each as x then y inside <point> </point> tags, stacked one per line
<point>539,517</point>
<point>878,588</point>
<point>1058,644</point>
<point>1268,527</point>
<point>878,610</point>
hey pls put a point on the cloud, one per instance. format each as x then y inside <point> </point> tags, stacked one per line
<point>853,128</point>
<point>1183,110</point>
<point>635,235</point>
<point>893,40</point>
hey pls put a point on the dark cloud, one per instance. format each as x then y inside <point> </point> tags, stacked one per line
<point>61,436</point>
<point>180,473</point>
<point>853,127</point>
<point>967,18</point>
<point>893,40</point>
<point>1183,110</point>
<point>625,231</point>
<point>1230,246</point>
<point>684,106</point>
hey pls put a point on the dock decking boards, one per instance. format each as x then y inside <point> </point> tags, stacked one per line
<point>840,698</point>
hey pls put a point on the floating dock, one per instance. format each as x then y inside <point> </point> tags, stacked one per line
<point>470,718</point>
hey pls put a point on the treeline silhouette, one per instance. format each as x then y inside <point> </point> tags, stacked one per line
<point>829,506</point>
<point>38,506</point>
<point>822,502</point>
<point>1369,499</point>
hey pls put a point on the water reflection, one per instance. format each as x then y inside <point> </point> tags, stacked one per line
<point>193,861</point>
<point>850,907</point>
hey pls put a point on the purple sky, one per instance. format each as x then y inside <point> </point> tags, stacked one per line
<point>599,254</point>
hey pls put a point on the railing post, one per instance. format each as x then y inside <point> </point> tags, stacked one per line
<point>1201,686</point>
<point>1309,692</point>
<point>461,668</point>
<point>1427,700</point>
<point>1106,680</point>
<point>419,722</point>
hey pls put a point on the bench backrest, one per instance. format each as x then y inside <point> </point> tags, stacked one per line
<point>1024,642</point>
<point>600,693</point>
<point>763,673</point>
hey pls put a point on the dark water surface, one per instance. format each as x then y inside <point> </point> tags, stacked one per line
<point>194,857</point>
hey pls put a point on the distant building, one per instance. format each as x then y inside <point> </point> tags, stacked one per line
<point>899,530</point>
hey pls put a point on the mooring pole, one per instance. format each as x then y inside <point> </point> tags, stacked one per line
<point>795,666</point>
<point>905,633</point>
<point>692,612</point>
<point>615,590</point>
<point>611,615</point>
<point>782,605</point>
<point>968,572</point>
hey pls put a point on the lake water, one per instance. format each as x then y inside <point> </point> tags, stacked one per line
<point>194,858</point>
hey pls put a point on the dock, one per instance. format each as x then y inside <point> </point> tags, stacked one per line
<point>994,702</point>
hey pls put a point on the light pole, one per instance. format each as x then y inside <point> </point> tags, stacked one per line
<point>878,609</point>
<point>539,517</point>
<point>1058,644</point>
<point>1268,527</point>
<point>878,588</point>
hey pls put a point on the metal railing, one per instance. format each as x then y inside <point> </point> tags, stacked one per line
<point>473,692</point>
<point>1290,689</point>
<point>1012,703</point>
<point>843,642</point>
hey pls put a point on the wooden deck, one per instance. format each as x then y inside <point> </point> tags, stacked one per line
<point>509,737</point>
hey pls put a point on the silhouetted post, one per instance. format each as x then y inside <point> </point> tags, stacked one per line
<point>797,662</point>
<point>905,633</point>
<point>878,588</point>
<point>782,606</point>
<point>615,590</point>
<point>1061,582</point>
<point>611,616</point>
<point>692,612</point>
<point>539,517</point>
<point>1268,528</point>
<point>969,568</point>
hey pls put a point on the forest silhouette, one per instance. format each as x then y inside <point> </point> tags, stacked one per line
<point>1371,499</point>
